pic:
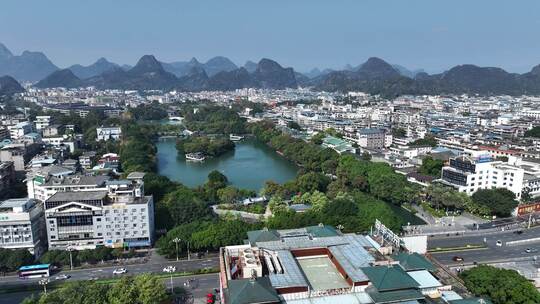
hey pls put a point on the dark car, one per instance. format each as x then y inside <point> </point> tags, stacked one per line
<point>457,259</point>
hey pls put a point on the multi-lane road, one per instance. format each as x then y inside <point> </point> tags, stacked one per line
<point>491,252</point>
<point>200,286</point>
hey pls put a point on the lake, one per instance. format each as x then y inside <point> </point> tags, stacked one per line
<point>248,166</point>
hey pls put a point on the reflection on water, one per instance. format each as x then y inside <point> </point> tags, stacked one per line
<point>248,166</point>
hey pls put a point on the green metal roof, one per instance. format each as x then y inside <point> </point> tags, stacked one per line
<point>396,296</point>
<point>386,278</point>
<point>413,261</point>
<point>322,231</point>
<point>262,236</point>
<point>248,291</point>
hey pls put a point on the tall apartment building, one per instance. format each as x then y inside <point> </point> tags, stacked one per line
<point>371,138</point>
<point>22,225</point>
<point>469,174</point>
<point>120,217</point>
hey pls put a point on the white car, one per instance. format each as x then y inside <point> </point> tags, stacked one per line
<point>62,277</point>
<point>499,243</point>
<point>119,271</point>
<point>169,269</point>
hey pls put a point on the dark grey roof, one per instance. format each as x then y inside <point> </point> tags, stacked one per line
<point>77,196</point>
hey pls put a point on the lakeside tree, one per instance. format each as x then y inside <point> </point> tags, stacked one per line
<point>502,286</point>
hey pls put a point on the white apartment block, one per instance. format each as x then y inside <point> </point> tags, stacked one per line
<point>42,122</point>
<point>119,217</point>
<point>108,133</point>
<point>44,183</point>
<point>469,174</point>
<point>22,225</point>
<point>19,130</point>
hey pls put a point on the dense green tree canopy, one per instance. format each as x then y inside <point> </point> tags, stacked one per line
<point>141,289</point>
<point>500,285</point>
<point>431,166</point>
<point>500,201</point>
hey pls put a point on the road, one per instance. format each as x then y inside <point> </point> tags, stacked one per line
<point>200,286</point>
<point>492,252</point>
<point>107,272</point>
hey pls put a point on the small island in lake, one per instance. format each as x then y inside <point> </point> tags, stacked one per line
<point>200,147</point>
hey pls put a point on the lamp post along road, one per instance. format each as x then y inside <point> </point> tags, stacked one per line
<point>176,241</point>
<point>70,249</point>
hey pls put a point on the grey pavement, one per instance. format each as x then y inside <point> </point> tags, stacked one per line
<point>107,272</point>
<point>491,254</point>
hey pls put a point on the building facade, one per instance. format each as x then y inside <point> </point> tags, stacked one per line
<point>22,225</point>
<point>469,174</point>
<point>108,133</point>
<point>120,217</point>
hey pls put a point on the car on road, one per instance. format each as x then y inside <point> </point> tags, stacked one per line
<point>531,250</point>
<point>169,269</point>
<point>499,243</point>
<point>62,277</point>
<point>119,271</point>
<point>457,259</point>
<point>518,231</point>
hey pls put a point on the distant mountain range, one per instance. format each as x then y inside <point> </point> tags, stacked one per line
<point>9,86</point>
<point>30,66</point>
<point>150,74</point>
<point>375,76</point>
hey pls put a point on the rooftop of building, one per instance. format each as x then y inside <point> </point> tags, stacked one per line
<point>78,180</point>
<point>14,203</point>
<point>78,196</point>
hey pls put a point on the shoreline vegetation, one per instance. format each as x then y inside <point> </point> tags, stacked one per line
<point>208,147</point>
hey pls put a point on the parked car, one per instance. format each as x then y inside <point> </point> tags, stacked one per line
<point>119,271</point>
<point>531,250</point>
<point>499,243</point>
<point>169,269</point>
<point>62,277</point>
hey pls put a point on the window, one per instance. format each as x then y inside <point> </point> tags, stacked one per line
<point>53,237</point>
<point>134,225</point>
<point>98,219</point>
<point>99,234</point>
<point>51,222</point>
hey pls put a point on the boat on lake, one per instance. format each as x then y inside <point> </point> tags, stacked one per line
<point>235,137</point>
<point>197,156</point>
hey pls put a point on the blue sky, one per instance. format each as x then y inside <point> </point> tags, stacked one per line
<point>428,34</point>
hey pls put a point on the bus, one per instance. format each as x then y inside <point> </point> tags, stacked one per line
<point>35,271</point>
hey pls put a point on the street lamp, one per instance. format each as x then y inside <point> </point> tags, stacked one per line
<point>188,255</point>
<point>340,227</point>
<point>70,249</point>
<point>176,241</point>
<point>44,282</point>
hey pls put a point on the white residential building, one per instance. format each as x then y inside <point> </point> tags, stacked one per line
<point>42,122</point>
<point>19,130</point>
<point>120,216</point>
<point>469,174</point>
<point>108,133</point>
<point>22,225</point>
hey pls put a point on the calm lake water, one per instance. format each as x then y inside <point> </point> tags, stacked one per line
<point>248,166</point>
